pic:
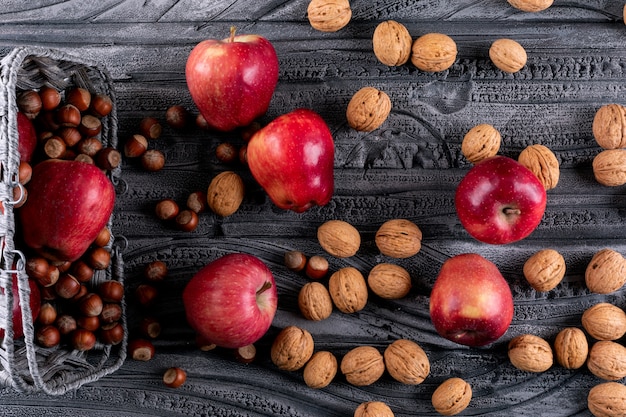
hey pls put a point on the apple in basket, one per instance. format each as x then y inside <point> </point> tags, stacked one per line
<point>27,137</point>
<point>35,305</point>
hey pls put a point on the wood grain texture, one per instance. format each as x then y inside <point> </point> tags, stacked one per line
<point>408,168</point>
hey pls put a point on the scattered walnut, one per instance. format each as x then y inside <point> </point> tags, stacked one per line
<point>389,281</point>
<point>481,142</point>
<point>348,290</point>
<point>225,193</point>
<point>406,362</point>
<point>530,353</point>
<point>606,272</point>
<point>292,348</point>
<point>609,167</point>
<point>508,55</point>
<point>604,321</point>
<point>433,52</point>
<point>545,269</point>
<point>452,396</point>
<point>362,365</point>
<point>320,370</point>
<point>368,109</point>
<point>531,5</point>
<point>607,360</point>
<point>314,301</point>
<point>339,238</point>
<point>399,238</point>
<point>329,15</point>
<point>609,126</point>
<point>571,348</point>
<point>543,163</point>
<point>607,399</point>
<point>373,409</point>
<point>392,43</point>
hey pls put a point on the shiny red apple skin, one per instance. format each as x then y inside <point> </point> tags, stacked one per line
<point>232,81</point>
<point>69,202</point>
<point>27,137</point>
<point>471,303</point>
<point>292,158</point>
<point>500,201</point>
<point>231,301</point>
<point>35,306</point>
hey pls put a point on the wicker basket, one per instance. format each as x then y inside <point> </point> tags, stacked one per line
<point>24,365</point>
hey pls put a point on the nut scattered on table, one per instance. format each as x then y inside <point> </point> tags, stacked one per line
<point>292,348</point>
<point>508,55</point>
<point>368,109</point>
<point>225,193</point>
<point>609,124</point>
<point>399,238</point>
<point>481,142</point>
<point>329,15</point>
<point>607,399</point>
<point>543,163</point>
<point>531,5</point>
<point>606,273</point>
<point>571,348</point>
<point>604,321</point>
<point>406,362</point>
<point>452,396</point>
<point>609,167</point>
<point>433,52</point>
<point>320,370</point>
<point>607,360</point>
<point>339,238</point>
<point>373,409</point>
<point>389,281</point>
<point>348,290</point>
<point>545,269</point>
<point>530,353</point>
<point>362,365</point>
<point>314,301</point>
<point>392,43</point>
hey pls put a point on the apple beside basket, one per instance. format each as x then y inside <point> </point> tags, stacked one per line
<point>24,365</point>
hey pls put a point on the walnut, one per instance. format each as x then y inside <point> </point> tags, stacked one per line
<point>607,399</point>
<point>314,301</point>
<point>389,281</point>
<point>392,43</point>
<point>329,15</point>
<point>433,52</point>
<point>545,269</point>
<point>609,167</point>
<point>373,409</point>
<point>406,362</point>
<point>292,348</point>
<point>320,370</point>
<point>348,290</point>
<point>362,365</point>
<point>225,193</point>
<point>508,55</point>
<point>530,353</point>
<point>399,238</point>
<point>609,126</point>
<point>605,273</point>
<point>368,109</point>
<point>531,5</point>
<point>481,142</point>
<point>339,238</point>
<point>452,396</point>
<point>543,163</point>
<point>607,360</point>
<point>571,348</point>
<point>604,321</point>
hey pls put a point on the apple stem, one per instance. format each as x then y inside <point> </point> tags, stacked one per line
<point>233,29</point>
<point>512,211</point>
<point>266,286</point>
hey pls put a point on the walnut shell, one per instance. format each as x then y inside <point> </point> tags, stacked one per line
<point>530,353</point>
<point>543,163</point>
<point>605,273</point>
<point>389,281</point>
<point>329,15</point>
<point>225,193</point>
<point>508,55</point>
<point>607,360</point>
<point>314,301</point>
<point>339,238</point>
<point>544,270</point>
<point>571,348</point>
<point>373,409</point>
<point>609,126</point>
<point>406,362</point>
<point>362,365</point>
<point>348,290</point>
<point>368,109</point>
<point>398,238</point>
<point>292,348</point>
<point>392,43</point>
<point>607,399</point>
<point>481,142</point>
<point>609,167</point>
<point>433,52</point>
<point>452,396</point>
<point>531,5</point>
<point>320,370</point>
<point>604,321</point>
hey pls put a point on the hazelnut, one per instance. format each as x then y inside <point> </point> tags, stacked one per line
<point>197,201</point>
<point>153,160</point>
<point>316,267</point>
<point>167,209</point>
<point>245,354</point>
<point>67,286</point>
<point>89,146</point>
<point>91,305</point>
<point>29,102</point>
<point>150,327</point>
<point>47,314</point>
<point>103,238</point>
<point>66,324</point>
<point>111,312</point>
<point>295,260</point>
<point>83,339</point>
<point>150,128</point>
<point>135,146</point>
<point>101,105</point>
<point>70,135</point>
<point>108,158</point>
<point>88,323</point>
<point>99,258</point>
<point>155,271</point>
<point>141,349</point>
<point>50,98</point>
<point>146,294</point>
<point>174,377</point>
<point>177,117</point>
<point>68,115</point>
<point>90,125</point>
<point>187,220</point>
<point>226,152</point>
<point>111,291</point>
<point>111,334</point>
<point>48,336</point>
<point>78,97</point>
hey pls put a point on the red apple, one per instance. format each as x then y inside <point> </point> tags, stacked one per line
<point>500,201</point>
<point>35,305</point>
<point>69,203</point>
<point>471,302</point>
<point>232,80</point>
<point>292,158</point>
<point>27,137</point>
<point>231,301</point>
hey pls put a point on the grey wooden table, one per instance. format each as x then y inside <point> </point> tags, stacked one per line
<point>408,168</point>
